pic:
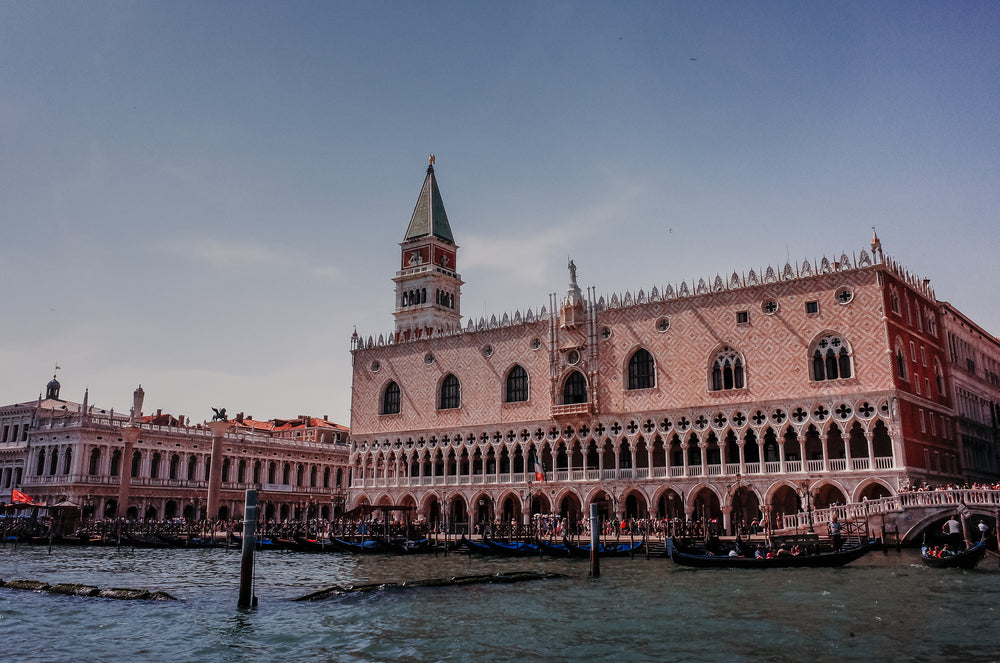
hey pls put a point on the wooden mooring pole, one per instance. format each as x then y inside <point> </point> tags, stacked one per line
<point>595,542</point>
<point>247,600</point>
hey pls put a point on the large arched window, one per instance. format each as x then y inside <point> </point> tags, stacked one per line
<point>727,370</point>
<point>390,399</point>
<point>95,462</point>
<point>641,370</point>
<point>40,470</point>
<point>154,467</point>
<point>517,385</point>
<point>451,393</point>
<point>116,462</point>
<point>575,388</point>
<point>831,359</point>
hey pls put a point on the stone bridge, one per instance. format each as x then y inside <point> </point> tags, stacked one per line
<point>909,515</point>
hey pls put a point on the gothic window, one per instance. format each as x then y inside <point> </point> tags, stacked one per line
<point>900,361</point>
<point>390,399</point>
<point>641,370</point>
<point>451,393</point>
<point>894,301</point>
<point>939,376</point>
<point>517,385</point>
<point>575,389</point>
<point>727,370</point>
<point>831,359</point>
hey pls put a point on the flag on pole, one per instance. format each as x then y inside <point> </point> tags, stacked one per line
<point>17,497</point>
<point>539,469</point>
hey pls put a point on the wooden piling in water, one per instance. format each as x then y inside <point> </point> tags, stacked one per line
<point>595,542</point>
<point>247,600</point>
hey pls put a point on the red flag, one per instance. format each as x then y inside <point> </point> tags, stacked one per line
<point>16,496</point>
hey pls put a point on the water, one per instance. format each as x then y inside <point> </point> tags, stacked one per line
<point>878,608</point>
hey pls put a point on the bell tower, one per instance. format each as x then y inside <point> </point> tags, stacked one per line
<point>428,287</point>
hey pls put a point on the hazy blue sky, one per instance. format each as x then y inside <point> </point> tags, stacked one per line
<point>205,198</point>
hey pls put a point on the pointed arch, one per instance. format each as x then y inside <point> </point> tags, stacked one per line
<point>516,385</point>
<point>727,370</point>
<point>641,370</point>
<point>830,357</point>
<point>450,396</point>
<point>390,401</point>
<point>574,388</point>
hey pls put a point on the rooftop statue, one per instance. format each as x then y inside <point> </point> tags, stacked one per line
<point>220,414</point>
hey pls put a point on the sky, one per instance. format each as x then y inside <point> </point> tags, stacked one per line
<point>206,198</point>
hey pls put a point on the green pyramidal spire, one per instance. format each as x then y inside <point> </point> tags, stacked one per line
<point>429,217</point>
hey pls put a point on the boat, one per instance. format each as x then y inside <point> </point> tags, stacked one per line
<point>617,550</point>
<point>366,547</point>
<point>315,545</point>
<point>408,546</point>
<point>837,558</point>
<point>963,559</point>
<point>569,549</point>
<point>476,546</point>
<point>513,549</point>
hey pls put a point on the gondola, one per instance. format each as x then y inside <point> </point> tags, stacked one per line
<point>617,550</point>
<point>476,546</point>
<point>315,545</point>
<point>513,549</point>
<point>838,558</point>
<point>365,547</point>
<point>963,559</point>
<point>408,546</point>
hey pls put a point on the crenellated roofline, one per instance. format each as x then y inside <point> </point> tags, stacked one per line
<point>755,278</point>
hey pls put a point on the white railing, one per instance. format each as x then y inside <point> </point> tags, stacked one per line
<point>560,476</point>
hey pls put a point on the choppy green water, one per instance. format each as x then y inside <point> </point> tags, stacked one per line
<point>881,608</point>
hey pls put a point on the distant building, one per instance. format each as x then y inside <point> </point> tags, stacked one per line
<point>55,450</point>
<point>973,357</point>
<point>769,391</point>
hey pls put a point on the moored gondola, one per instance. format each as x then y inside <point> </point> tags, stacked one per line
<point>782,561</point>
<point>513,549</point>
<point>963,559</point>
<point>363,547</point>
<point>617,550</point>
